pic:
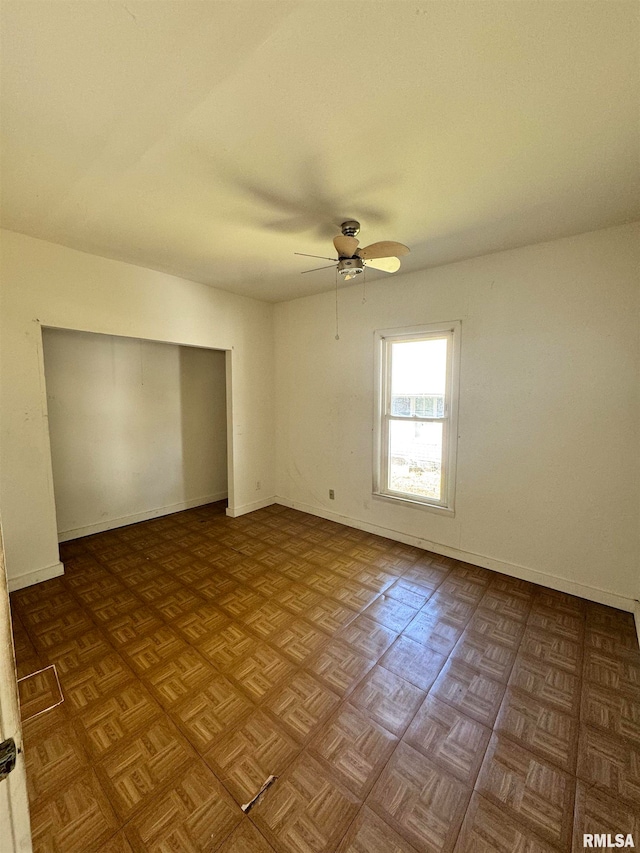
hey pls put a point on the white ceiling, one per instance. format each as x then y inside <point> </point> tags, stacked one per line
<point>215,139</point>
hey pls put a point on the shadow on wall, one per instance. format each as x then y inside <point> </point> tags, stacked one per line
<point>203,422</point>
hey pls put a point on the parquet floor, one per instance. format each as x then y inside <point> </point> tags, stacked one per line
<point>407,703</point>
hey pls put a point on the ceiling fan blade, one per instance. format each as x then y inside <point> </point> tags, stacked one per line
<point>383,249</point>
<point>317,268</point>
<point>345,246</point>
<point>322,257</point>
<point>384,264</point>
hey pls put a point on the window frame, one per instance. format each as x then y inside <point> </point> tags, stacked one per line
<point>383,338</point>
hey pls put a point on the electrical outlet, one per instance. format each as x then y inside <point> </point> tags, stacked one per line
<point>332,495</point>
<point>258,485</point>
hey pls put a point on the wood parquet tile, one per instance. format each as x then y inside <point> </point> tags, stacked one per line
<point>54,756</point>
<point>77,819</point>
<point>455,611</point>
<point>177,603</point>
<point>195,814</point>
<point>487,829</point>
<point>552,649</point>
<point>391,613</point>
<point>406,593</point>
<point>172,681</point>
<point>153,649</point>
<point>226,646</point>
<point>424,579</point>
<point>299,640</point>
<point>368,637</point>
<point>461,589</point>
<point>260,671</point>
<point>246,839</point>
<point>339,666</point>
<point>329,616</point>
<point>617,674</point>
<point>76,653</point>
<point>200,623</point>
<point>413,662</point>
<point>369,834</point>
<point>552,599</point>
<point>566,624</point>
<point>433,631</point>
<point>617,643</point>
<point>266,619</point>
<point>245,757</point>
<point>420,800</point>
<point>616,713</point>
<point>492,659</point>
<point>504,583</point>
<point>495,627</point>
<point>354,595</point>
<point>302,705</point>
<point>117,844</point>
<point>470,691</point>
<point>597,813</point>
<point>530,790</point>
<point>405,701</point>
<point>135,773</point>
<point>388,699</point>
<point>541,681</point>
<point>131,626</point>
<point>450,739</point>
<point>354,747</point>
<point>111,722</point>
<point>85,687</point>
<point>306,811</point>
<point>511,605</point>
<point>207,713</point>
<point>57,631</point>
<point>540,728</point>
<point>611,765</point>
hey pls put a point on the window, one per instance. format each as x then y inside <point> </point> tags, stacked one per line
<point>416,414</point>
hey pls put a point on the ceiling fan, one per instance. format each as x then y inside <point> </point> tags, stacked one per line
<point>351,260</point>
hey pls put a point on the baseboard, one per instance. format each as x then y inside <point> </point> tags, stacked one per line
<point>35,576</point>
<point>636,613</point>
<point>601,596</point>
<point>123,521</point>
<point>243,509</point>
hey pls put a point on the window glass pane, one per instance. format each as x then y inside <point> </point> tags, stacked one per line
<point>401,404</point>
<point>415,458</point>
<point>419,367</point>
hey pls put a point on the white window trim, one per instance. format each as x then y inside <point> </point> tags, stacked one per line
<point>380,461</point>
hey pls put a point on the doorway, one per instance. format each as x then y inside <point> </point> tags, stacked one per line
<point>138,428</point>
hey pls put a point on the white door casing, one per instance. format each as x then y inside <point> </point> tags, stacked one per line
<point>14,805</point>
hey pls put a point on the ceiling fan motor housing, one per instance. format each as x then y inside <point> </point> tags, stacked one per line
<point>350,228</point>
<point>350,266</point>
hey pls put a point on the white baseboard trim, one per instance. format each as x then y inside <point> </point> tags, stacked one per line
<point>243,509</point>
<point>600,596</point>
<point>35,576</point>
<point>123,521</point>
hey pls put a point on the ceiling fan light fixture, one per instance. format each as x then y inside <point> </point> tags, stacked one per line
<point>350,267</point>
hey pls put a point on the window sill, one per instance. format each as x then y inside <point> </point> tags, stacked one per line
<point>397,499</point>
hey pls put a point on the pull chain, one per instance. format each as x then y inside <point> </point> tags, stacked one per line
<point>364,285</point>
<point>337,329</point>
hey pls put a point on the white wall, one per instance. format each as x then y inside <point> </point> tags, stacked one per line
<point>48,285</point>
<point>548,465</point>
<point>137,428</point>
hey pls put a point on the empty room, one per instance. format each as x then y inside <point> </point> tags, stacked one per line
<point>319,426</point>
